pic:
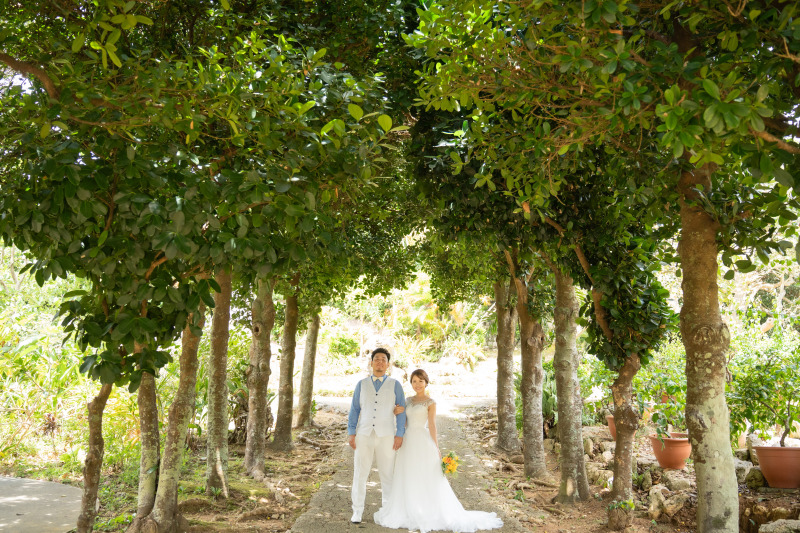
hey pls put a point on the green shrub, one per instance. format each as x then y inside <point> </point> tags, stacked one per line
<point>765,390</point>
<point>343,345</point>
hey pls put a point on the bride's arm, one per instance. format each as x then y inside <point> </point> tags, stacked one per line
<point>432,425</point>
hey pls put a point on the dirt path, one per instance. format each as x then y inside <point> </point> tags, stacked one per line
<point>330,508</point>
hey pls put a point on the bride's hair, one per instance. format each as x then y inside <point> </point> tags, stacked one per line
<point>421,374</point>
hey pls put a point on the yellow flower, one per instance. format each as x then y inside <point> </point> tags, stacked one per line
<point>450,463</point>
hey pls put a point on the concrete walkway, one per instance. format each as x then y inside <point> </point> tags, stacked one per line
<point>33,506</point>
<point>330,507</point>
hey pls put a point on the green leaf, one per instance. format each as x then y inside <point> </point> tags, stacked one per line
<point>355,111</point>
<point>783,177</point>
<point>563,150</point>
<point>385,122</point>
<point>225,5</point>
<point>45,130</point>
<point>305,107</point>
<point>131,152</point>
<point>78,43</point>
<point>711,88</point>
<point>765,164</point>
<point>114,58</point>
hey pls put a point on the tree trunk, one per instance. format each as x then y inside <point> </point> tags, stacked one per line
<point>283,422</point>
<point>217,432</point>
<point>706,339</point>
<point>507,438</point>
<point>574,484</point>
<point>94,460</point>
<point>165,518</point>
<point>304,417</point>
<point>150,453</point>
<point>263,312</point>
<point>258,414</point>
<point>532,344</point>
<point>626,418</point>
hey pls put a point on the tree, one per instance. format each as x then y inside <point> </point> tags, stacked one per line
<point>140,166</point>
<point>694,78</point>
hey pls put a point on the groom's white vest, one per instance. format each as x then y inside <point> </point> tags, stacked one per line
<point>377,408</point>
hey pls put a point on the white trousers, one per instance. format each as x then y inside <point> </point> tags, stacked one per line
<point>369,447</point>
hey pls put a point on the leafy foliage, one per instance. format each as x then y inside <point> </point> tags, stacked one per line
<point>764,392</point>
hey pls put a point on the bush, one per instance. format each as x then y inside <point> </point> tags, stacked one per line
<point>343,345</point>
<point>765,391</point>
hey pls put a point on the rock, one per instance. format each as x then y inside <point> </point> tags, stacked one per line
<point>517,459</point>
<point>608,457</point>
<point>609,446</point>
<point>742,454</point>
<point>592,471</point>
<point>675,503</point>
<point>676,480</point>
<point>781,526</point>
<point>647,462</point>
<point>742,468</point>
<point>605,478</point>
<point>549,444</point>
<point>755,479</point>
<point>647,480</point>
<point>596,433</point>
<point>657,501</point>
<point>557,448</point>
<point>780,513</point>
<point>588,446</point>
<point>753,440</point>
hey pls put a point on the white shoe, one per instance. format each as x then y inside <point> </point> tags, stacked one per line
<point>356,518</point>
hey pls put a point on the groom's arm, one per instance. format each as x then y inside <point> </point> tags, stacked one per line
<point>352,418</point>
<point>400,399</point>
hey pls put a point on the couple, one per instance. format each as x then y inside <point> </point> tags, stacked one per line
<point>402,436</point>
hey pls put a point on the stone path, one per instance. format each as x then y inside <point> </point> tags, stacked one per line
<point>33,506</point>
<point>330,507</point>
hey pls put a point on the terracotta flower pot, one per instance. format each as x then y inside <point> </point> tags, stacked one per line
<point>612,427</point>
<point>780,466</point>
<point>673,452</point>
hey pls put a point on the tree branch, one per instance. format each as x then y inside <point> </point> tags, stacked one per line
<point>32,70</point>
<point>154,265</point>
<point>783,145</point>
<point>597,296</point>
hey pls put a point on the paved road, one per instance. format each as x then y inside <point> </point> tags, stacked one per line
<point>330,508</point>
<point>32,506</point>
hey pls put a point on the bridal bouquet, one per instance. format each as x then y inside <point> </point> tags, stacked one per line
<point>450,463</point>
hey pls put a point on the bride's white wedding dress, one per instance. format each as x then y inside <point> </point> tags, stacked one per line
<point>421,497</point>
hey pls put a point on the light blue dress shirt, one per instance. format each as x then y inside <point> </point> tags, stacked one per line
<point>355,406</point>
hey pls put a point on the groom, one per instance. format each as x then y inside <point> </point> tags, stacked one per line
<point>374,429</point>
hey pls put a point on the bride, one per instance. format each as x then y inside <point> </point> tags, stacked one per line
<point>421,496</point>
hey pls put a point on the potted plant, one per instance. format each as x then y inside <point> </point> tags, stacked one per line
<point>764,395</point>
<point>662,392</point>
<point>671,448</point>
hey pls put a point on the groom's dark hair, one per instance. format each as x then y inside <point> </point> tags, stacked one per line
<point>383,351</point>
